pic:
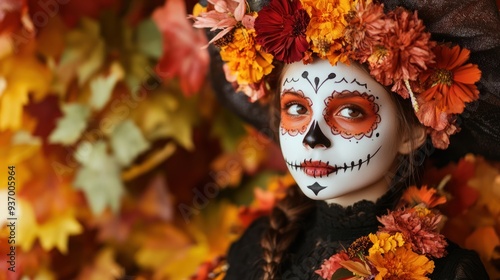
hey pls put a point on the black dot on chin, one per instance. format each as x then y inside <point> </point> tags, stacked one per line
<point>377,135</point>
<point>376,97</point>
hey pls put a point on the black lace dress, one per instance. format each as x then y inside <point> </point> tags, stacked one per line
<point>327,229</point>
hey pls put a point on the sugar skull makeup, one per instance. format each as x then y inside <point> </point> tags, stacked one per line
<point>338,128</point>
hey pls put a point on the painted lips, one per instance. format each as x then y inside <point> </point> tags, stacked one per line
<point>317,168</point>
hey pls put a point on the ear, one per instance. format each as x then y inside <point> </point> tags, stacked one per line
<point>415,139</point>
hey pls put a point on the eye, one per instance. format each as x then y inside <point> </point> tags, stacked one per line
<point>351,112</point>
<point>296,109</point>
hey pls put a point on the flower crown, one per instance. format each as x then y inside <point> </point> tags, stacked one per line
<point>395,46</point>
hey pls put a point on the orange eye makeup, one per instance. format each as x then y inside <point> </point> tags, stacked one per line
<point>296,112</point>
<point>351,114</point>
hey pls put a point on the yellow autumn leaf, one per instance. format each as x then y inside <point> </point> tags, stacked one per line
<point>55,232</point>
<point>27,227</point>
<point>103,267</point>
<point>168,114</point>
<point>16,149</point>
<point>184,263</point>
<point>20,75</point>
<point>83,56</point>
<point>218,225</point>
<point>160,243</point>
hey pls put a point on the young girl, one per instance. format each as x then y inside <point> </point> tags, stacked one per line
<point>347,142</point>
<point>362,87</point>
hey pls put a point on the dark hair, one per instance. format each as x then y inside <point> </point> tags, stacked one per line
<point>284,221</point>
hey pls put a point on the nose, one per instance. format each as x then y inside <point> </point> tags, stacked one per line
<point>315,137</point>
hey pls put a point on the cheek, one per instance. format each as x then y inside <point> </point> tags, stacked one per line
<point>294,125</point>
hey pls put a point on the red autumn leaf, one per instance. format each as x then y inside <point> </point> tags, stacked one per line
<point>462,195</point>
<point>47,112</point>
<point>71,11</point>
<point>183,56</point>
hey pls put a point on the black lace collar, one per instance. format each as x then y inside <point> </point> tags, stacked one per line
<point>335,222</point>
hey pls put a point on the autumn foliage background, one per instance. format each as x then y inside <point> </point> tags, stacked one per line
<point>126,165</point>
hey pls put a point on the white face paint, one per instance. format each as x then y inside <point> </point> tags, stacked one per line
<point>338,130</point>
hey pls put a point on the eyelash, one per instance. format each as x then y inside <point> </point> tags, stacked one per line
<point>352,107</point>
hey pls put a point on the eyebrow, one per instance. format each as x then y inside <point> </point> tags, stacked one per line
<point>298,93</point>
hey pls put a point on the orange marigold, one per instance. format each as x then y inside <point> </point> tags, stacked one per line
<point>326,28</point>
<point>402,264</point>
<point>245,58</point>
<point>451,81</point>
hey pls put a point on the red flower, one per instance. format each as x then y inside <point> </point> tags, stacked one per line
<point>419,232</point>
<point>330,265</point>
<point>281,28</point>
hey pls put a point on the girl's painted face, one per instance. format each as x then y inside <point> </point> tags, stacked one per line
<point>338,128</point>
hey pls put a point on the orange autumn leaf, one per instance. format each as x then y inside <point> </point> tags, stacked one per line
<point>265,199</point>
<point>156,201</point>
<point>16,27</point>
<point>103,267</point>
<point>487,183</point>
<point>483,240</point>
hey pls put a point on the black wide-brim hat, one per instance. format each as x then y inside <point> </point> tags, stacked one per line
<point>471,24</point>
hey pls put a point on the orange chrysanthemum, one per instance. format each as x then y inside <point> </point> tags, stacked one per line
<point>245,58</point>
<point>403,54</point>
<point>326,28</point>
<point>451,81</point>
<point>402,264</point>
<point>366,28</point>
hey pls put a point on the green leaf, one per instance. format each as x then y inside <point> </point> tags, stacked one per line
<point>149,39</point>
<point>99,177</point>
<point>101,87</point>
<point>341,273</point>
<point>71,126</point>
<point>127,142</point>
<point>85,51</point>
<point>229,129</point>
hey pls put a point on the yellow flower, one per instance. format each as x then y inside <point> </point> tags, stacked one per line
<point>384,242</point>
<point>326,28</point>
<point>403,264</point>
<point>422,211</point>
<point>245,58</point>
